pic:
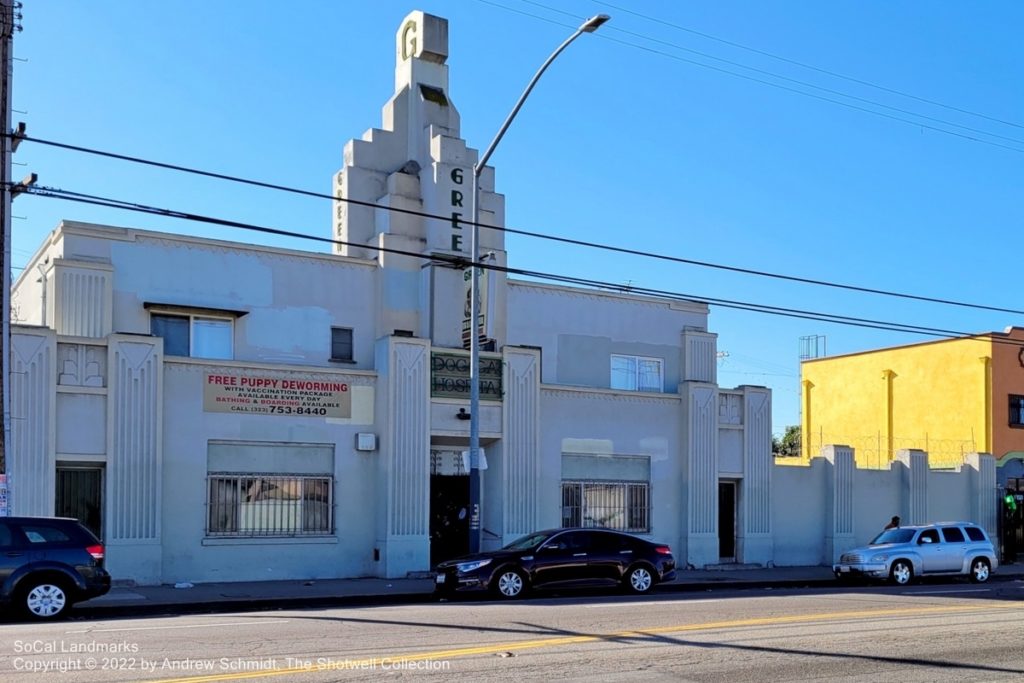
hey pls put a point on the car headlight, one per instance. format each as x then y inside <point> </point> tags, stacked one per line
<point>465,567</point>
<point>879,558</point>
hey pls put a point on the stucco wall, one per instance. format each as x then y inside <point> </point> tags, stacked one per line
<point>188,556</point>
<point>615,423</point>
<point>947,499</point>
<point>578,331</point>
<point>290,299</point>
<point>876,499</point>
<point>1007,379</point>
<point>798,504</point>
<point>800,495</point>
<point>27,297</point>
<point>29,291</point>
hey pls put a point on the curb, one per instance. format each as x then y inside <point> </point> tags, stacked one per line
<point>135,609</point>
<point>86,611</point>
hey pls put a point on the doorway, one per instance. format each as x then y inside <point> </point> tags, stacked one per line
<point>1011,519</point>
<point>727,521</point>
<point>80,495</point>
<point>449,517</point>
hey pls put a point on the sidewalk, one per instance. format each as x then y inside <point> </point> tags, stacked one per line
<point>135,600</point>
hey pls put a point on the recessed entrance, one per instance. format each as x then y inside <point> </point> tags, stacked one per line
<point>449,517</point>
<point>449,503</point>
<point>79,494</point>
<point>727,521</point>
<point>1012,520</point>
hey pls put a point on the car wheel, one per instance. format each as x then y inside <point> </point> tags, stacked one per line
<point>639,579</point>
<point>510,583</point>
<point>980,570</point>
<point>45,599</point>
<point>901,573</point>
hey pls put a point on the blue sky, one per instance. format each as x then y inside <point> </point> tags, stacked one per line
<point>635,137</point>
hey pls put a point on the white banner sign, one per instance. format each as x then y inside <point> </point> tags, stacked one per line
<point>260,394</point>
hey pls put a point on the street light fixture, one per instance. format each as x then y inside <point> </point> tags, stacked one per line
<point>475,521</point>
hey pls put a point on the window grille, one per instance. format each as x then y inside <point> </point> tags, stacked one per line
<point>624,506</point>
<point>247,505</point>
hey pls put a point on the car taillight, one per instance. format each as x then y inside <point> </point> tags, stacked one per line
<point>96,551</point>
<point>663,550</point>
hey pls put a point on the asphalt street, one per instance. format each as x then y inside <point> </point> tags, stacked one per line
<point>929,632</point>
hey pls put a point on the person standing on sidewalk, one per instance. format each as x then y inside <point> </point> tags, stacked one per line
<point>894,523</point>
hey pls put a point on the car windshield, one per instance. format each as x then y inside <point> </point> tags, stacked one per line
<point>893,536</point>
<point>527,542</point>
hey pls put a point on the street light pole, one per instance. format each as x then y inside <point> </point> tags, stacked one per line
<point>475,521</point>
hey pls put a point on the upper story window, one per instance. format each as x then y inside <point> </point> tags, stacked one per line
<point>196,336</point>
<point>637,373</point>
<point>341,344</point>
<point>1016,410</point>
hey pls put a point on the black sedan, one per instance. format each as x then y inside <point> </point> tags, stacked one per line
<point>560,558</point>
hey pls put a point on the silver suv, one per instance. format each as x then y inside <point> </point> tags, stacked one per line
<point>900,554</point>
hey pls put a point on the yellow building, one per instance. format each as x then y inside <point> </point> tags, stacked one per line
<point>948,397</point>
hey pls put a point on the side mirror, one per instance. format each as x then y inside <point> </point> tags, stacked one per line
<point>924,540</point>
<point>552,547</point>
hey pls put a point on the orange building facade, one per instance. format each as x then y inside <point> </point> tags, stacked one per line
<point>1008,395</point>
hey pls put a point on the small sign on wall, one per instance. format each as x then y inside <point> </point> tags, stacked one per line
<point>265,395</point>
<point>4,507</point>
<point>446,463</point>
<point>467,461</point>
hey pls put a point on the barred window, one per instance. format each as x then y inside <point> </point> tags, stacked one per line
<point>247,505</point>
<point>624,506</point>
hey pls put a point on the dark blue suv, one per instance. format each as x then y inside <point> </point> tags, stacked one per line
<point>47,564</point>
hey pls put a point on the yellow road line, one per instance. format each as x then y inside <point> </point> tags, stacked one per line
<point>334,664</point>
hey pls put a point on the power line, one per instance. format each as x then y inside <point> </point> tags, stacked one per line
<point>781,77</point>
<point>526,233</point>
<point>805,65</point>
<point>855,107</point>
<point>758,374</point>
<point>459,262</point>
<point>761,308</point>
<point>83,198</point>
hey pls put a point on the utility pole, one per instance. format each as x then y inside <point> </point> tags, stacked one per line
<point>11,23</point>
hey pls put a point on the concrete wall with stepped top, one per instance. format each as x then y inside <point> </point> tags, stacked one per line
<point>829,506</point>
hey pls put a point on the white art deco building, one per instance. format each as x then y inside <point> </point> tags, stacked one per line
<point>222,411</point>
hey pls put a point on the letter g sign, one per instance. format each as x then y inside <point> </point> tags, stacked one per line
<point>409,42</point>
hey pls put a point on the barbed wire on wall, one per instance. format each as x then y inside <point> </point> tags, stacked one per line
<point>872,451</point>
